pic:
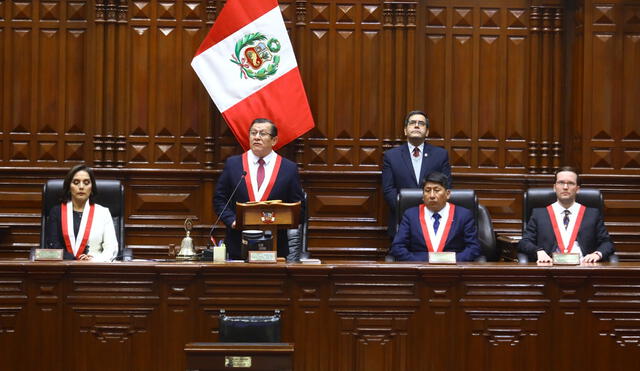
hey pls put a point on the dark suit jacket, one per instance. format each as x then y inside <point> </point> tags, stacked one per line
<point>592,235</point>
<point>286,188</point>
<point>409,243</point>
<point>397,173</point>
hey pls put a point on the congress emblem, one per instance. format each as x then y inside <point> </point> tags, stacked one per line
<point>257,56</point>
<point>268,217</point>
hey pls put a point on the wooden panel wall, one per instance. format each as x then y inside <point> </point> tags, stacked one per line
<point>514,88</point>
<point>346,317</point>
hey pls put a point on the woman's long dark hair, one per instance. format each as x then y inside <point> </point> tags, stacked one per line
<point>66,186</point>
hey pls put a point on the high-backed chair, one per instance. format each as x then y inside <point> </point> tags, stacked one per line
<point>409,197</point>
<point>298,236</point>
<point>542,197</point>
<point>110,194</point>
<point>249,329</point>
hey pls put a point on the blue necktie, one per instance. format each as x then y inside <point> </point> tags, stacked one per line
<point>565,220</point>
<point>436,222</point>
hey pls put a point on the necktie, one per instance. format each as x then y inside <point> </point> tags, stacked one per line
<point>416,152</point>
<point>565,220</point>
<point>436,222</point>
<point>260,172</point>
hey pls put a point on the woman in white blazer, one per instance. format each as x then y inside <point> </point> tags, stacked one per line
<point>79,226</point>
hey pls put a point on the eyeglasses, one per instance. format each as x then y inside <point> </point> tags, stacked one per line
<point>416,122</point>
<point>260,134</point>
<point>562,183</point>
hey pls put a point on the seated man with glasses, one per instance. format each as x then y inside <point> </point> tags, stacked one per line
<point>406,165</point>
<point>259,174</point>
<point>566,226</point>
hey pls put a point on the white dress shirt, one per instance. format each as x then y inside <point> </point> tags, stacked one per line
<point>429,220</point>
<point>565,234</point>
<point>416,161</point>
<point>269,165</point>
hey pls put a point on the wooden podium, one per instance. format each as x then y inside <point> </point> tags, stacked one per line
<point>239,356</point>
<point>268,215</point>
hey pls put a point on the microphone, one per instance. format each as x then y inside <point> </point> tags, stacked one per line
<point>244,173</point>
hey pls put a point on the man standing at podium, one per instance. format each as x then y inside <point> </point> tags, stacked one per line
<point>405,166</point>
<point>259,174</point>
<point>566,226</point>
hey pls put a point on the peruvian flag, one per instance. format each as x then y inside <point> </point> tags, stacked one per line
<point>247,65</point>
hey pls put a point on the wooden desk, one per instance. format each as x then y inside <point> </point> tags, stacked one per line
<point>391,316</point>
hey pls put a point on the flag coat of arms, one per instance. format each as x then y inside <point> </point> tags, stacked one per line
<point>248,67</point>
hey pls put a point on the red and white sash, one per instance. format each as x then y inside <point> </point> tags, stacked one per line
<point>272,179</point>
<point>425,230</point>
<point>70,240</point>
<point>574,233</point>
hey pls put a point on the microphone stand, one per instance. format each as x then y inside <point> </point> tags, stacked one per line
<point>244,174</point>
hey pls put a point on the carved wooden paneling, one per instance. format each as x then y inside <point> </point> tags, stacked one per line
<point>478,109</point>
<point>139,315</point>
<point>13,316</point>
<point>371,340</point>
<point>610,54</point>
<point>47,61</point>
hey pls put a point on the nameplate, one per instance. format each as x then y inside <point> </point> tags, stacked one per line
<point>262,256</point>
<point>566,259</point>
<point>48,254</point>
<point>448,257</point>
<point>237,362</point>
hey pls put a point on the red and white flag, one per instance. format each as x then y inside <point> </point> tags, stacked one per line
<point>247,65</point>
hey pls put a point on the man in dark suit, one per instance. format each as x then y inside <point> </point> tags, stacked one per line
<point>566,226</point>
<point>405,166</point>
<point>268,177</point>
<point>436,226</point>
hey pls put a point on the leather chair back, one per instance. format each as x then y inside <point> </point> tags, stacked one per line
<point>486,235</point>
<point>298,236</point>
<point>110,194</point>
<point>542,197</point>
<point>249,329</point>
<point>409,197</point>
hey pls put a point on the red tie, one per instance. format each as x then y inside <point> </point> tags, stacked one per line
<point>260,172</point>
<point>416,152</point>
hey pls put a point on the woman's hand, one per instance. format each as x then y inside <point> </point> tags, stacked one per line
<point>85,257</point>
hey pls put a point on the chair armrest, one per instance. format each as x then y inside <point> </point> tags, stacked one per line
<point>295,244</point>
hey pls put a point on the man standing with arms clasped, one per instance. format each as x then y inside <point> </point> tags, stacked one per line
<point>268,177</point>
<point>406,165</point>
<point>566,226</point>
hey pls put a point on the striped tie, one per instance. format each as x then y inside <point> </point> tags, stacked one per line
<point>565,220</point>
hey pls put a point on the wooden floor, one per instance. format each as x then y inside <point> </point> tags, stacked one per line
<point>341,317</point>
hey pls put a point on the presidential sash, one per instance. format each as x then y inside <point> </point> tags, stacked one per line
<point>425,230</point>
<point>574,233</point>
<point>272,179</point>
<point>71,242</point>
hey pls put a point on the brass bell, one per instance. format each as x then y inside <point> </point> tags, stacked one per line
<point>187,252</point>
